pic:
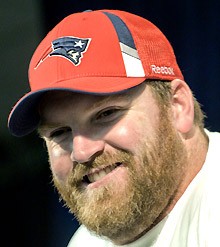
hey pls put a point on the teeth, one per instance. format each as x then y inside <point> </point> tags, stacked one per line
<point>108,170</point>
<point>100,174</point>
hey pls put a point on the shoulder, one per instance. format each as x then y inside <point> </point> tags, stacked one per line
<point>207,181</point>
<point>83,237</point>
<point>209,216</point>
<point>212,163</point>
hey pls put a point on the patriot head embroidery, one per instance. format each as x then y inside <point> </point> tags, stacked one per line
<point>70,48</point>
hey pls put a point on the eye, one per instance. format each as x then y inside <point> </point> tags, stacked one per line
<point>57,133</point>
<point>108,114</point>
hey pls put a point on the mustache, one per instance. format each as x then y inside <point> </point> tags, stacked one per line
<point>100,162</point>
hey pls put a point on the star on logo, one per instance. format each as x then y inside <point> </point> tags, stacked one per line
<point>79,44</point>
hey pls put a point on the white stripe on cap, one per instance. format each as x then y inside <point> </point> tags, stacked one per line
<point>132,62</point>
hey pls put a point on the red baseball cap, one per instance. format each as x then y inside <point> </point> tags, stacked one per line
<point>94,52</point>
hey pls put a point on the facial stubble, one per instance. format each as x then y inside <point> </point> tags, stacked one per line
<point>114,212</point>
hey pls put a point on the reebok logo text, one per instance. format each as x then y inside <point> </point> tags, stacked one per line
<point>162,70</point>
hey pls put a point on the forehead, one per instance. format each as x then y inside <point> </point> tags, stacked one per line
<point>57,97</point>
<point>61,98</point>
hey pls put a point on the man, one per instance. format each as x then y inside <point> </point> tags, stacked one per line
<point>125,136</point>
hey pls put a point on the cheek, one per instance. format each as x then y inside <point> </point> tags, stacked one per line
<point>61,165</point>
<point>59,157</point>
<point>129,134</point>
<point>125,136</point>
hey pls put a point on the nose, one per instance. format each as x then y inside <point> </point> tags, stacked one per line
<point>86,149</point>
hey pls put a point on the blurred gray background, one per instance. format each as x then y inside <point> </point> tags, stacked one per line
<point>31,213</point>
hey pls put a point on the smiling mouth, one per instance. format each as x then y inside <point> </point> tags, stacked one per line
<point>98,174</point>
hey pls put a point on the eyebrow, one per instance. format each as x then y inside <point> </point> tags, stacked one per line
<point>45,127</point>
<point>106,99</point>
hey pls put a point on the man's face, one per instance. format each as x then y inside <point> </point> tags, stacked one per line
<point>117,161</point>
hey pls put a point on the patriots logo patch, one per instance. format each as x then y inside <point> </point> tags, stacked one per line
<point>71,48</point>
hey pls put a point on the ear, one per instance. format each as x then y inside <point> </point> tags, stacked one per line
<point>182,106</point>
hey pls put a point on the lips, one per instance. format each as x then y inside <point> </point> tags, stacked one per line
<point>96,174</point>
